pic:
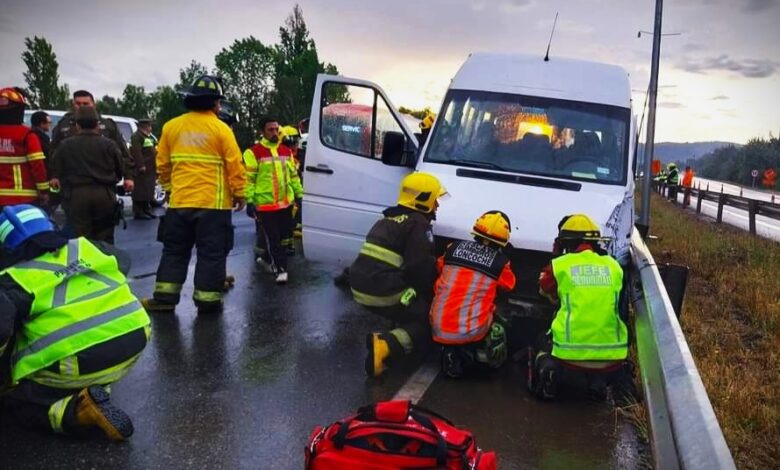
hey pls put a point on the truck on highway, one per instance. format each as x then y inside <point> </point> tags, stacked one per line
<point>535,139</point>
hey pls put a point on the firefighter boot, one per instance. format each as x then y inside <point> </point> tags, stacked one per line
<point>155,306</point>
<point>378,353</point>
<point>94,409</point>
<point>230,281</point>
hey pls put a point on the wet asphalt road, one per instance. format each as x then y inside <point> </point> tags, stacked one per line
<point>245,389</point>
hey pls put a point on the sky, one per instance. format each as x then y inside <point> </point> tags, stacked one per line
<point>719,77</point>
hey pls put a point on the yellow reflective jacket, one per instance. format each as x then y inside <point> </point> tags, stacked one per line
<point>199,162</point>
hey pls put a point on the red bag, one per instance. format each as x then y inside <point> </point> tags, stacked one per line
<point>395,434</point>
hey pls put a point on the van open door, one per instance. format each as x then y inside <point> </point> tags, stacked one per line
<point>358,150</point>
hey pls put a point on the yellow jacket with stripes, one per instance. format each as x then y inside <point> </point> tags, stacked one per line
<point>199,162</point>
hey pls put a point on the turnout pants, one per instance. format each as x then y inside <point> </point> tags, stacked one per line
<point>411,333</point>
<point>276,225</point>
<point>211,232</point>
<point>90,212</point>
<point>46,400</point>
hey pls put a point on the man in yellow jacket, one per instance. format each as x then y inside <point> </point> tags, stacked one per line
<point>199,166</point>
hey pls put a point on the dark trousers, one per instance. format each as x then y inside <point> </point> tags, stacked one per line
<point>413,320</point>
<point>90,212</point>
<point>29,402</point>
<point>211,232</point>
<point>276,225</point>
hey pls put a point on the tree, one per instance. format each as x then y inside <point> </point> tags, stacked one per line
<point>42,75</point>
<point>166,105</point>
<point>247,68</point>
<point>135,102</point>
<point>296,68</point>
<point>108,105</point>
<point>188,74</point>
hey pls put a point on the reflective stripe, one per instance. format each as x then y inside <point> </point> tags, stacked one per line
<point>382,254</point>
<point>404,338</point>
<point>377,301</point>
<point>103,377</point>
<point>148,142</point>
<point>69,367</point>
<point>167,287</point>
<point>12,160</point>
<point>200,158</point>
<point>207,296</point>
<point>18,177</point>
<point>56,412</point>
<point>42,186</point>
<point>568,318</point>
<point>35,156</point>
<point>78,327</point>
<point>590,346</point>
<point>465,307</point>
<point>474,335</point>
<point>2,347</point>
<point>18,192</point>
<point>617,316</point>
<point>23,216</point>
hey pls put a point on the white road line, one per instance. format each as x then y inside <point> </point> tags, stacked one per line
<point>419,382</point>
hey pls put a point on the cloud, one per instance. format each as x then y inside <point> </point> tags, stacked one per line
<point>755,6</point>
<point>504,5</point>
<point>719,98</point>
<point>750,68</point>
<point>671,105</point>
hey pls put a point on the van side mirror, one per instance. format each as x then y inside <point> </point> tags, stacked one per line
<point>396,151</point>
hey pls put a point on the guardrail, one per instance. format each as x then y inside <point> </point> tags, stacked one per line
<point>684,431</point>
<point>752,206</point>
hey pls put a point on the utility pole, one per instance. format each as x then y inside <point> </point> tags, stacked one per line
<point>644,216</point>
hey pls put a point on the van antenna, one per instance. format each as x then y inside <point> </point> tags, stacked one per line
<point>547,54</point>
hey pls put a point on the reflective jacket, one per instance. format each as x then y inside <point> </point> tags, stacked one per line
<point>587,326</point>
<point>688,179</point>
<point>398,254</point>
<point>673,177</point>
<point>80,299</point>
<point>465,293</point>
<point>22,166</point>
<point>272,178</point>
<point>199,162</point>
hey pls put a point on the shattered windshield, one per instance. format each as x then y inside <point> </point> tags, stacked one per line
<point>532,135</point>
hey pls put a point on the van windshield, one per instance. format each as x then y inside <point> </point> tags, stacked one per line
<point>532,135</point>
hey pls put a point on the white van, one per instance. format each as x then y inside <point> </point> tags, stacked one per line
<point>535,139</point>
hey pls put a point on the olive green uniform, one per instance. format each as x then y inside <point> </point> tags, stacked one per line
<point>66,127</point>
<point>89,166</point>
<point>143,149</point>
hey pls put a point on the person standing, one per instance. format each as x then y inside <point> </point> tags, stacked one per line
<point>273,186</point>
<point>87,168</point>
<point>143,149</point>
<point>672,181</point>
<point>41,125</point>
<point>199,167</point>
<point>394,274</point>
<point>687,182</point>
<point>69,327</point>
<point>23,178</point>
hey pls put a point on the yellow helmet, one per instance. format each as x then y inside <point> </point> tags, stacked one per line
<point>427,121</point>
<point>288,131</point>
<point>493,226</point>
<point>579,227</point>
<point>419,191</point>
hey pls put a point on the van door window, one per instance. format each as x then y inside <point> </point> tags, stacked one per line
<point>355,119</point>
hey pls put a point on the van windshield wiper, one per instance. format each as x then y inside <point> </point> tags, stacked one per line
<point>477,163</point>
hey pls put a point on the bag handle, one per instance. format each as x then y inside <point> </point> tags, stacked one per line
<point>396,411</point>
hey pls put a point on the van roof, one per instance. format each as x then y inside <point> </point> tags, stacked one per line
<point>524,74</point>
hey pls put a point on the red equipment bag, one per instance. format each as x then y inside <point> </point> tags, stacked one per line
<point>395,434</point>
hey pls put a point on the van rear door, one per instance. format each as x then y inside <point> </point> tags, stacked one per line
<point>346,185</point>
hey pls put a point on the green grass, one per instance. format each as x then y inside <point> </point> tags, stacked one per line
<point>731,320</point>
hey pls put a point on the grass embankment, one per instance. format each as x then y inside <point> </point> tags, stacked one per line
<point>731,320</point>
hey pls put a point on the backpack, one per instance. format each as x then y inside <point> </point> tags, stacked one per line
<point>395,434</point>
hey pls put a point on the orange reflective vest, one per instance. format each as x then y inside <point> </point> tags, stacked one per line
<point>22,166</point>
<point>465,292</point>
<point>688,179</point>
<point>770,178</point>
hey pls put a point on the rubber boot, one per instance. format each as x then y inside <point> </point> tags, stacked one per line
<point>152,305</point>
<point>378,353</point>
<point>94,409</point>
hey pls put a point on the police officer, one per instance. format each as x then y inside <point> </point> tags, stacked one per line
<point>199,166</point>
<point>587,332</point>
<point>143,148</point>
<point>69,326</point>
<point>394,273</point>
<point>66,127</point>
<point>87,168</point>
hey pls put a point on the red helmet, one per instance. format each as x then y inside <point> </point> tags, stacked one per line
<point>11,98</point>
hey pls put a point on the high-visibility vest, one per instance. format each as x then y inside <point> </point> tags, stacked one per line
<point>587,326</point>
<point>272,178</point>
<point>81,299</point>
<point>673,177</point>
<point>462,309</point>
<point>22,166</point>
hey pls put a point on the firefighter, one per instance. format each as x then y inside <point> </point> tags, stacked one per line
<point>462,313</point>
<point>672,180</point>
<point>291,138</point>
<point>69,326</point>
<point>588,338</point>
<point>23,178</point>
<point>273,186</point>
<point>395,271</point>
<point>143,148</point>
<point>425,126</point>
<point>199,166</point>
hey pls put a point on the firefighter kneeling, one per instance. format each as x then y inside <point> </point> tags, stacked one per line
<point>69,327</point>
<point>394,273</point>
<point>470,273</point>
<point>587,344</point>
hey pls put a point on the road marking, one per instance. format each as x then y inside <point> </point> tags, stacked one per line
<point>414,388</point>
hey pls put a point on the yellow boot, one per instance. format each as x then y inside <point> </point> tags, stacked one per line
<point>378,353</point>
<point>94,409</point>
<point>151,305</point>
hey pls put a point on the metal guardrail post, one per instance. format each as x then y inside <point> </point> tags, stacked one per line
<point>752,211</point>
<point>721,203</point>
<point>698,202</point>
<point>684,429</point>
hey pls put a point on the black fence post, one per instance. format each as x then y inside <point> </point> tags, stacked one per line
<point>752,211</point>
<point>698,203</point>
<point>721,202</point>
